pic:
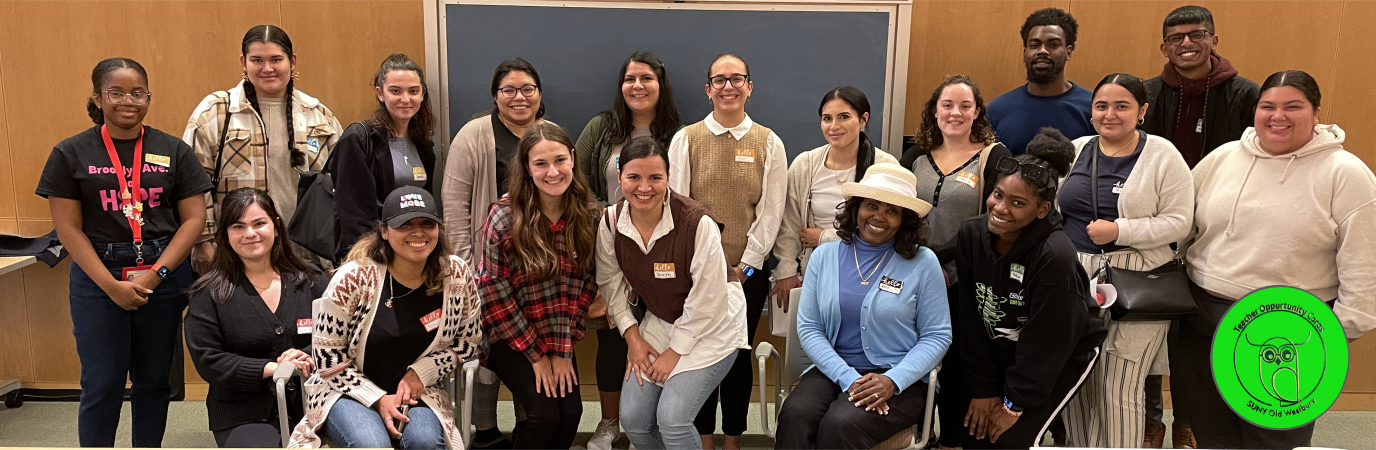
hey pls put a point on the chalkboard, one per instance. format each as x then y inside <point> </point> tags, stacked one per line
<point>795,57</point>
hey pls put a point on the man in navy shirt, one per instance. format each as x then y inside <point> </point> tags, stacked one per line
<point>1048,99</point>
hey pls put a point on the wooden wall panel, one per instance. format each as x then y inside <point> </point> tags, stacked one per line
<point>340,44</point>
<point>50,323</point>
<point>8,210</point>
<point>1349,95</point>
<point>15,352</point>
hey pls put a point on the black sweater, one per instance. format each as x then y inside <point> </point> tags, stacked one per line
<point>230,343</point>
<point>362,168</point>
<point>1025,315</point>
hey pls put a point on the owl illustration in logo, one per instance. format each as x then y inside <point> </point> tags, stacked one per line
<point>1282,363</point>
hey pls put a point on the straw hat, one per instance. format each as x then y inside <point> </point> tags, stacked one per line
<point>889,183</point>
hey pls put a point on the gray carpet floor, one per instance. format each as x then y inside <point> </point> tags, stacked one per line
<point>53,424</point>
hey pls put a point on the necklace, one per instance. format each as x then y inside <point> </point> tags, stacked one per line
<point>262,288</point>
<point>1115,153</point>
<point>392,290</point>
<point>865,280</point>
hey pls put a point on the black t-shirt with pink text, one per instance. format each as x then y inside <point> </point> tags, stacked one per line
<point>79,168</point>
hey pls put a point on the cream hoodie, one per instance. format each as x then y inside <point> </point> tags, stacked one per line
<point>1306,219</point>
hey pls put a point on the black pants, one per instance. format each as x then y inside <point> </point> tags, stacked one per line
<point>953,397</point>
<point>250,435</point>
<point>1192,385</point>
<point>551,422</point>
<point>1027,431</point>
<point>611,360</point>
<point>1156,407</point>
<point>818,415</point>
<point>735,389</point>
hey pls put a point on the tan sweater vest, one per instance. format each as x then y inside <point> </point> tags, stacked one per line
<point>728,178</point>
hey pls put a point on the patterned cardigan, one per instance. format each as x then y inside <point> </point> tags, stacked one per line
<point>340,336</point>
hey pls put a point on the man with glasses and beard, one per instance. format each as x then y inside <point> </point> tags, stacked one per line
<point>1048,99</point>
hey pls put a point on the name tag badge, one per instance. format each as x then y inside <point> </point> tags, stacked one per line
<point>432,320</point>
<point>130,273</point>
<point>1015,272</point>
<point>313,145</point>
<point>969,179</point>
<point>1117,188</point>
<point>303,326</point>
<point>157,160</point>
<point>745,155</point>
<point>665,271</point>
<point>890,285</point>
<point>418,173</point>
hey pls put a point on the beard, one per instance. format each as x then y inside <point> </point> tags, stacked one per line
<point>1044,76</point>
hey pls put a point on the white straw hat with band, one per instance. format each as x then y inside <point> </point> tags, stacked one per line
<point>889,183</point>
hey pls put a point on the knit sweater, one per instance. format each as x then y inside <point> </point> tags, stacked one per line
<point>340,337</point>
<point>1302,219</point>
<point>788,249</point>
<point>1156,207</point>
<point>470,185</point>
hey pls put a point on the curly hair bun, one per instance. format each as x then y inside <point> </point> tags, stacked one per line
<point>1053,147</point>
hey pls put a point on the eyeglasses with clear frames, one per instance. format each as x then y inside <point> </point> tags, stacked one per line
<point>510,92</point>
<point>737,81</point>
<point>117,96</point>
<point>1195,36</point>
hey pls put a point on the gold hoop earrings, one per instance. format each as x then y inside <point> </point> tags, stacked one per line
<point>295,74</point>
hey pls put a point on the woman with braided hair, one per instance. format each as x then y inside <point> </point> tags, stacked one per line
<point>261,133</point>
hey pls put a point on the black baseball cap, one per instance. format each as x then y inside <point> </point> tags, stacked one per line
<point>409,202</point>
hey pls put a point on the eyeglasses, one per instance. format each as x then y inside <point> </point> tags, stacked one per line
<point>1009,165</point>
<point>737,81</point>
<point>510,92</point>
<point>1195,36</point>
<point>117,96</point>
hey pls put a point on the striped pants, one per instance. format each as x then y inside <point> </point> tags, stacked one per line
<point>1110,409</point>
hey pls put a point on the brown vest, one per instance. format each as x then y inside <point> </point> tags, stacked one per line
<point>726,181</point>
<point>661,278</point>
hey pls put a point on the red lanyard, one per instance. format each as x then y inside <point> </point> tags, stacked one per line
<point>131,202</point>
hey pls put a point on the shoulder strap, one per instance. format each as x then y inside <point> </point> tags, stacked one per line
<point>979,188</point>
<point>220,149</point>
<point>1094,178</point>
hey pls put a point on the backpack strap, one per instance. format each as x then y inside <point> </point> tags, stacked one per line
<point>979,188</point>
<point>220,149</point>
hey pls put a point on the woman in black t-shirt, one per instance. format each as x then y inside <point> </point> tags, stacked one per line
<point>388,151</point>
<point>126,202</point>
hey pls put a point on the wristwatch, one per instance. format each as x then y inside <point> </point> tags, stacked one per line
<point>746,268</point>
<point>1009,408</point>
<point>161,271</point>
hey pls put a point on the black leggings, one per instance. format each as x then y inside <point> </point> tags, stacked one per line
<point>611,360</point>
<point>735,389</point>
<point>953,399</point>
<point>552,422</point>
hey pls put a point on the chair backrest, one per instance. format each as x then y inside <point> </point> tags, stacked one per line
<point>795,359</point>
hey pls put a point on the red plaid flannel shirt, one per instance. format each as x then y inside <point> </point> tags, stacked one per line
<point>534,315</point>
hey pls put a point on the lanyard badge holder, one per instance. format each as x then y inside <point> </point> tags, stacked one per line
<point>131,204</point>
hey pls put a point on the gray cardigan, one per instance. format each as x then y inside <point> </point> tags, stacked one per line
<point>798,214</point>
<point>470,185</point>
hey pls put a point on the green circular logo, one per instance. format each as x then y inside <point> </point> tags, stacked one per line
<point>1280,357</point>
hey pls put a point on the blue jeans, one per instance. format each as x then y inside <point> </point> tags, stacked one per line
<point>662,417</point>
<point>353,425</point>
<point>112,343</point>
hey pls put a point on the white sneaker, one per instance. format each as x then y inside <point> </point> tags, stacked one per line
<point>608,431</point>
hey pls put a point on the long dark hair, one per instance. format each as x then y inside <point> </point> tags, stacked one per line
<point>531,240</point>
<point>271,34</point>
<point>667,119</point>
<point>227,270</point>
<point>853,96</point>
<point>421,125</point>
<point>98,74</point>
<point>912,229</point>
<point>372,247</point>
<point>929,135</point>
<point>516,65</point>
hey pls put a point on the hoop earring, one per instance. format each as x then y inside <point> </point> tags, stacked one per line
<point>1141,121</point>
<point>295,75</point>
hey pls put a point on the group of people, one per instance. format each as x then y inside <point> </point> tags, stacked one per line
<point>657,235</point>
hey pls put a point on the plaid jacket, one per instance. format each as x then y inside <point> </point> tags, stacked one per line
<point>534,315</point>
<point>243,163</point>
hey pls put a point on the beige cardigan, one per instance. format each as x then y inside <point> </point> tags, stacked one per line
<point>470,185</point>
<point>340,336</point>
<point>788,248</point>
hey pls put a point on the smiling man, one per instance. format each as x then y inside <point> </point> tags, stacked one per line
<point>1048,99</point>
<point>1198,102</point>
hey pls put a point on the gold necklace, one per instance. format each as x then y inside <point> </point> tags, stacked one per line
<point>392,291</point>
<point>1129,144</point>
<point>261,288</point>
<point>865,280</point>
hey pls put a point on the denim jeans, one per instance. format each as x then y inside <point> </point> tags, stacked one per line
<point>113,343</point>
<point>662,417</point>
<point>353,425</point>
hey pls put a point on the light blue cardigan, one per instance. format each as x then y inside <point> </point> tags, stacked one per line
<point>906,333</point>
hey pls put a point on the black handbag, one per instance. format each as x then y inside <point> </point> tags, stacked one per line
<point>314,225</point>
<point>1162,293</point>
